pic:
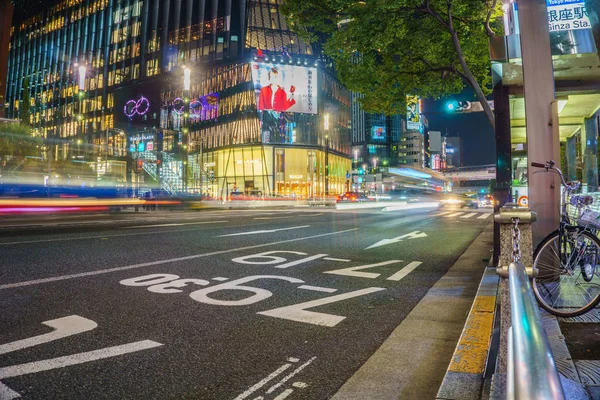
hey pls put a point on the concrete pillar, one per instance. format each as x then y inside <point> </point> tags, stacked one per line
<point>589,151</point>
<point>542,129</point>
<point>571,155</point>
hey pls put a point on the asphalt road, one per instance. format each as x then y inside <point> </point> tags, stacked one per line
<point>232,304</point>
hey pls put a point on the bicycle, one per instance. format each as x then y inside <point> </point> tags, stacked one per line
<point>567,259</point>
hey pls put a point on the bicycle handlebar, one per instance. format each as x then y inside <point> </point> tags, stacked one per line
<point>549,165</point>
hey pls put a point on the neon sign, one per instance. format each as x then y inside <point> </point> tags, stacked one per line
<point>140,107</point>
<point>201,109</point>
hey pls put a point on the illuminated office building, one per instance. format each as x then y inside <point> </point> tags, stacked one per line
<point>263,111</point>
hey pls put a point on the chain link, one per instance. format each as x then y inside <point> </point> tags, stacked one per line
<point>516,240</point>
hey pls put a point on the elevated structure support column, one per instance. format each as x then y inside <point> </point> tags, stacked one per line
<point>589,151</point>
<point>541,114</point>
<point>571,156</point>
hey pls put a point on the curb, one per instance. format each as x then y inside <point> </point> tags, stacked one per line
<point>464,377</point>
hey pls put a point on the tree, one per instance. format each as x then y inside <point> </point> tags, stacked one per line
<point>16,141</point>
<point>25,102</point>
<point>387,49</point>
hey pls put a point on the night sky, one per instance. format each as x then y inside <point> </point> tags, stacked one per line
<point>477,135</point>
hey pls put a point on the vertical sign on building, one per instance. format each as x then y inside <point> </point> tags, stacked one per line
<point>413,121</point>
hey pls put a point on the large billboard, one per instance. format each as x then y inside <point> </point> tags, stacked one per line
<point>413,121</point>
<point>378,133</point>
<point>285,88</point>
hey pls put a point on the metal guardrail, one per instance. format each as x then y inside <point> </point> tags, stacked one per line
<point>532,373</point>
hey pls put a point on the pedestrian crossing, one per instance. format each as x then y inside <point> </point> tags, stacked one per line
<point>462,214</point>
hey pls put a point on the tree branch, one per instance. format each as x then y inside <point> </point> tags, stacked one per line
<point>488,29</point>
<point>427,8</point>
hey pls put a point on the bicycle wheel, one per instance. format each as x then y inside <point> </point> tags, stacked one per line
<point>560,287</point>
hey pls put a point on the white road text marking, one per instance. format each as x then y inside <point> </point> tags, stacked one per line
<point>404,271</point>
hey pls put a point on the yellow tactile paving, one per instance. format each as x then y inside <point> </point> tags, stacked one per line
<point>471,351</point>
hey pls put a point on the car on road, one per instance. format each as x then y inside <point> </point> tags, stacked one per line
<point>457,201</point>
<point>352,197</point>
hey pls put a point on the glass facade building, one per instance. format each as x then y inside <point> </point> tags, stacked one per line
<point>260,111</point>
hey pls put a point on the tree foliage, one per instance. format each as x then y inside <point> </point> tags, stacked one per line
<point>387,49</point>
<point>16,141</point>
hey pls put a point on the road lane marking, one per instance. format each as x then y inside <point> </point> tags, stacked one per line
<point>404,271</point>
<point>300,385</point>
<point>352,271</point>
<point>220,279</point>
<point>74,359</point>
<point>63,327</point>
<point>411,235</point>
<point>272,217</point>
<point>170,260</point>
<point>336,259</point>
<point>299,313</point>
<point>265,231</point>
<point>174,224</point>
<point>439,214</point>
<point>263,382</point>
<point>290,376</point>
<point>469,215</point>
<point>484,216</point>
<point>317,288</point>
<point>284,394</point>
<point>456,214</point>
<point>94,237</point>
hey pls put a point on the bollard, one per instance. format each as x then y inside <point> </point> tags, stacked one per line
<point>506,218</point>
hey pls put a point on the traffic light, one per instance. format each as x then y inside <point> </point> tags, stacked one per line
<point>458,106</point>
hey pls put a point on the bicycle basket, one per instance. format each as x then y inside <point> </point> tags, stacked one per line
<point>589,217</point>
<point>577,205</point>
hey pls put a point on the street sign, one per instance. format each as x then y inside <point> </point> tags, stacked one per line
<point>150,146</point>
<point>347,175</point>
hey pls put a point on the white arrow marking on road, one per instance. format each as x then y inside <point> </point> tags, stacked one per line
<point>74,359</point>
<point>265,231</point>
<point>64,327</point>
<point>412,235</point>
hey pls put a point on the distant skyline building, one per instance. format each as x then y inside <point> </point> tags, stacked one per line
<point>436,150</point>
<point>373,136</point>
<point>453,151</point>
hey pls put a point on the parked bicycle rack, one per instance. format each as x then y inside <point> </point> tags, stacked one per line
<point>525,354</point>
